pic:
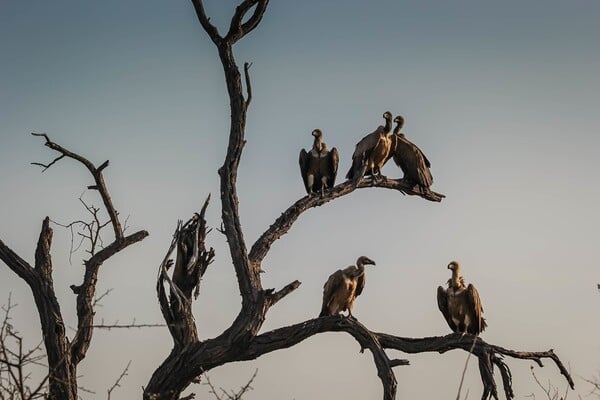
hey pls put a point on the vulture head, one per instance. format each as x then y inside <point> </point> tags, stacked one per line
<point>453,266</point>
<point>364,260</point>
<point>387,115</point>
<point>399,120</point>
<point>317,133</point>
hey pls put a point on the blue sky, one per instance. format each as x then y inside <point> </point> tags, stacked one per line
<point>502,97</point>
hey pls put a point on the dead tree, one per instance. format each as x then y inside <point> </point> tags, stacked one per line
<point>190,356</point>
<point>64,354</point>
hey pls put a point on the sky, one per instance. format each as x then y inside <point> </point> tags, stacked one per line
<point>503,97</point>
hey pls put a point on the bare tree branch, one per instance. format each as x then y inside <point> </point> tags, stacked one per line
<point>248,84</point>
<point>231,395</point>
<point>212,31</point>
<point>100,185</point>
<point>237,29</point>
<point>462,377</point>
<point>192,262</point>
<point>118,381</point>
<point>595,384</point>
<point>131,325</point>
<point>551,392</point>
<point>17,264</point>
<point>98,299</point>
<point>285,221</point>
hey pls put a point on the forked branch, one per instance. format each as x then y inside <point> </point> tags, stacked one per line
<point>99,185</point>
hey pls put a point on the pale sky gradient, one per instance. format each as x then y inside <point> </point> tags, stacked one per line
<point>503,97</point>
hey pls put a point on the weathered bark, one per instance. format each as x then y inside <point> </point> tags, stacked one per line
<point>191,356</point>
<point>64,355</point>
<point>285,221</point>
<point>192,261</point>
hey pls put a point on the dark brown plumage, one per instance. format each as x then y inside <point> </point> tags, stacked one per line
<point>410,158</point>
<point>372,151</point>
<point>343,286</point>
<point>318,166</point>
<point>460,304</point>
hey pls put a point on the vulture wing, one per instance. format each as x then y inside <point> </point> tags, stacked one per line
<point>367,143</point>
<point>442,300</point>
<point>332,160</point>
<point>363,151</point>
<point>393,147</point>
<point>427,163</point>
<point>360,284</point>
<point>331,286</point>
<point>303,161</point>
<point>476,310</point>
<point>412,162</point>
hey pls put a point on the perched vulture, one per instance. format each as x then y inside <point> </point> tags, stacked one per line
<point>372,151</point>
<point>342,288</point>
<point>460,304</point>
<point>410,158</point>
<point>319,165</point>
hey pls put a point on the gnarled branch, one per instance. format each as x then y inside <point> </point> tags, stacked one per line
<point>190,265</point>
<point>285,221</point>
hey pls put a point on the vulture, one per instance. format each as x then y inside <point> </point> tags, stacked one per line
<point>410,158</point>
<point>460,304</point>
<point>342,288</point>
<point>372,151</point>
<point>318,166</point>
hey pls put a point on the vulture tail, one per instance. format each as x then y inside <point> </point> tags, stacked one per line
<point>324,312</point>
<point>354,173</point>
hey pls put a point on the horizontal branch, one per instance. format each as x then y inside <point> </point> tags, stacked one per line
<point>487,353</point>
<point>291,335</point>
<point>127,326</point>
<point>284,223</point>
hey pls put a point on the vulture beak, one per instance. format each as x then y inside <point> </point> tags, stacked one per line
<point>369,261</point>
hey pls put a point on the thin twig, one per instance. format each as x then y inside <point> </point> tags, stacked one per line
<point>118,381</point>
<point>97,300</point>
<point>131,325</point>
<point>462,378</point>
